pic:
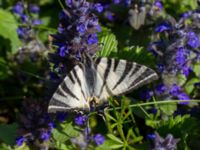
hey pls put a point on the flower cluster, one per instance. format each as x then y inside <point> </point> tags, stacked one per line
<point>28,17</point>
<point>136,10</point>
<point>77,33</point>
<point>35,124</point>
<point>168,143</point>
<point>86,138</point>
<point>176,51</point>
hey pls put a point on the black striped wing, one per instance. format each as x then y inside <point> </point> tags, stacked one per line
<point>98,79</point>
<point>72,93</point>
<point>121,76</point>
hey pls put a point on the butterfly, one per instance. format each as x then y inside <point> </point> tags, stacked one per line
<point>96,79</point>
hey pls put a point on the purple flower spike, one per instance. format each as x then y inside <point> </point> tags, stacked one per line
<point>99,139</point>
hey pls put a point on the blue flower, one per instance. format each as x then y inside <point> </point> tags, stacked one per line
<point>158,4</point>
<point>186,70</point>
<point>34,8</point>
<point>36,22</point>
<point>98,7</point>
<point>186,15</point>
<point>92,39</point>
<point>20,32</point>
<point>163,27</point>
<point>109,16</point>
<point>116,1</point>
<point>156,47</point>
<point>183,96</point>
<point>151,136</point>
<point>193,39</point>
<point>174,90</point>
<point>63,50</point>
<point>146,94</point>
<point>161,68</point>
<point>24,18</point>
<point>18,8</point>
<point>44,136</point>
<point>20,140</point>
<point>127,2</point>
<point>181,57</point>
<point>81,120</point>
<point>81,28</point>
<point>99,139</point>
<point>61,116</point>
<point>68,3</point>
<point>160,89</point>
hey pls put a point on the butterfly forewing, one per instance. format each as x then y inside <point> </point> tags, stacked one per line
<point>121,76</point>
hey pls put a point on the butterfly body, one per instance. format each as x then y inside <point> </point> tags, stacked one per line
<point>94,80</point>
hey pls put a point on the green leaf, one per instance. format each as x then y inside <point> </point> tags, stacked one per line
<point>196,69</point>
<point>114,138</point>
<point>45,2</point>
<point>189,87</point>
<point>8,27</point>
<point>181,79</point>
<point>168,109</point>
<point>131,53</point>
<point>4,70</point>
<point>59,136</point>
<point>22,147</point>
<point>109,45</point>
<point>69,129</point>
<point>61,146</point>
<point>8,133</point>
<point>109,144</point>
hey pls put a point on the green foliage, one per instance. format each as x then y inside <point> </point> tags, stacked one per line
<point>108,44</point>
<point>8,133</point>
<point>8,29</point>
